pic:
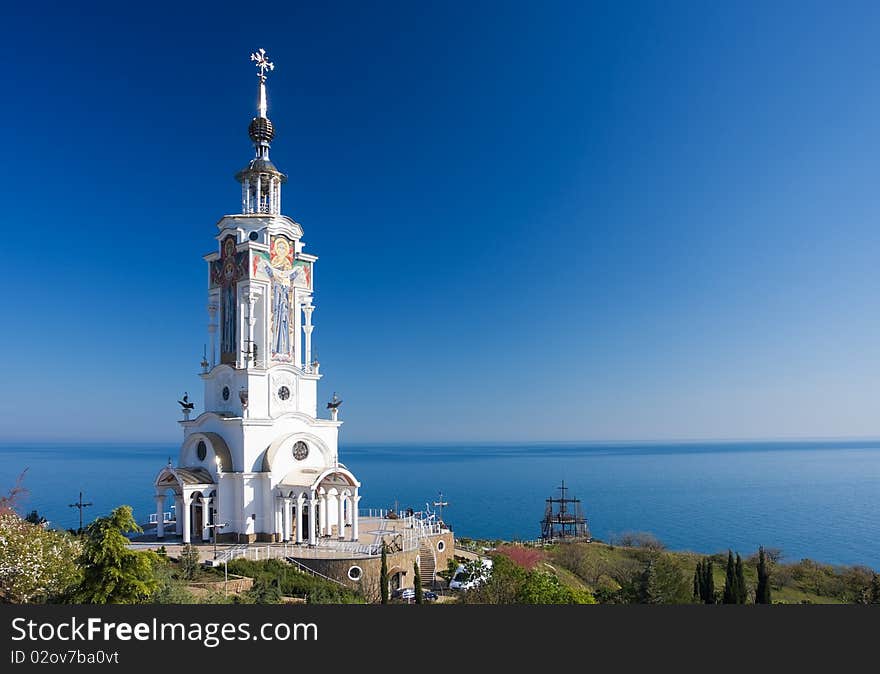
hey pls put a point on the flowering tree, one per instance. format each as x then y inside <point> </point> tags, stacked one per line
<point>36,564</point>
<point>526,558</point>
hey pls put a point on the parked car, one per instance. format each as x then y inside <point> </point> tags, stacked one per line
<point>428,595</point>
<point>461,579</point>
<point>405,593</point>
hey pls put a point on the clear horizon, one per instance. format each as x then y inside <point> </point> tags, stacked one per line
<point>421,442</point>
<point>540,223</point>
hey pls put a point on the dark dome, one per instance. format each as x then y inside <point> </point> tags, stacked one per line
<point>261,130</point>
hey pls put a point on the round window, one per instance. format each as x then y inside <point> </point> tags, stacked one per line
<point>284,393</point>
<point>253,236</point>
<point>225,393</point>
<point>441,546</point>
<point>300,450</point>
<point>355,572</point>
<point>201,450</point>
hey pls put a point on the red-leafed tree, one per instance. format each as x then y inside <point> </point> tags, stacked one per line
<point>526,558</point>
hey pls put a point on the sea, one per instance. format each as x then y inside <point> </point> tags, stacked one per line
<point>816,499</point>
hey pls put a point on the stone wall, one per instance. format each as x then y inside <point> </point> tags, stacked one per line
<point>401,563</point>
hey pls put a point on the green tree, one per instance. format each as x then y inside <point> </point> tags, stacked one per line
<point>36,564</point>
<point>112,572</point>
<point>189,561</point>
<point>762,591</point>
<point>649,590</point>
<point>383,576</point>
<point>543,587</point>
<point>508,583</point>
<point>265,591</point>
<point>417,580</point>
<point>730,593</point>
<point>170,590</point>
<point>709,581</point>
<point>35,518</point>
<point>742,591</point>
<point>449,571</point>
<point>698,578</point>
<point>875,589</point>
<point>660,581</point>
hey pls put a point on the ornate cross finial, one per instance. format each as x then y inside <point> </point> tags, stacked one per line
<point>263,64</point>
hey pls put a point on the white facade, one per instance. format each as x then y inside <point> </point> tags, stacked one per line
<point>258,459</point>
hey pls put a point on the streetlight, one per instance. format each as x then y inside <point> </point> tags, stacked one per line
<point>215,526</point>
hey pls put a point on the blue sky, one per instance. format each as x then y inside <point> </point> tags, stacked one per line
<point>557,221</point>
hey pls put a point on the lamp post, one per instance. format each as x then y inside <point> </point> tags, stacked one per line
<point>216,526</point>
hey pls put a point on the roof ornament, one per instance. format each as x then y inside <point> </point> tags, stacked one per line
<point>263,64</point>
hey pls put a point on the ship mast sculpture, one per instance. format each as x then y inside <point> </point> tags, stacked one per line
<point>564,519</point>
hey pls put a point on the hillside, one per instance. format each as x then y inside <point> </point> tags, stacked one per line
<point>615,573</point>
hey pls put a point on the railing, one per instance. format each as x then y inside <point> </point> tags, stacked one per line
<point>265,552</point>
<point>259,553</point>
<point>166,518</point>
<point>403,533</point>
<point>312,572</point>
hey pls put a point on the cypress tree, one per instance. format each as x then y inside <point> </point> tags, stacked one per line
<point>417,579</point>
<point>875,589</point>
<point>698,584</point>
<point>730,594</point>
<point>709,576</point>
<point>383,576</point>
<point>649,591</point>
<point>762,591</point>
<point>742,592</point>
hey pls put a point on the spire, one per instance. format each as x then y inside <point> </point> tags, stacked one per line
<point>263,64</point>
<point>261,130</point>
<point>260,180</point>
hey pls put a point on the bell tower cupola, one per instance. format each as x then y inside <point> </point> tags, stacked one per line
<point>260,180</point>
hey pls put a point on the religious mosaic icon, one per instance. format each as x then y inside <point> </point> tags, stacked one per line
<point>284,393</point>
<point>201,450</point>
<point>225,393</point>
<point>225,274</point>
<point>300,450</point>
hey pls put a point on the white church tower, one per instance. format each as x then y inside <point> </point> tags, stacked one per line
<point>258,462</point>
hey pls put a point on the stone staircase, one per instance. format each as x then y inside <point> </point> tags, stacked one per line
<point>427,564</point>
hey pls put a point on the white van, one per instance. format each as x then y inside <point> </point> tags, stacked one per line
<point>461,579</point>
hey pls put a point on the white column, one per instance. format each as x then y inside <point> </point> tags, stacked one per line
<point>212,330</point>
<point>313,539</point>
<point>354,515</point>
<point>288,524</point>
<point>178,514</point>
<point>340,516</point>
<point>279,196</point>
<point>160,516</point>
<point>259,207</point>
<point>206,518</point>
<point>348,514</point>
<point>252,294</point>
<point>322,517</point>
<point>247,195</point>
<point>308,308</point>
<point>185,524</point>
<point>298,532</point>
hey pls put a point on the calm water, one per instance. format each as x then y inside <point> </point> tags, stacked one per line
<point>820,500</point>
